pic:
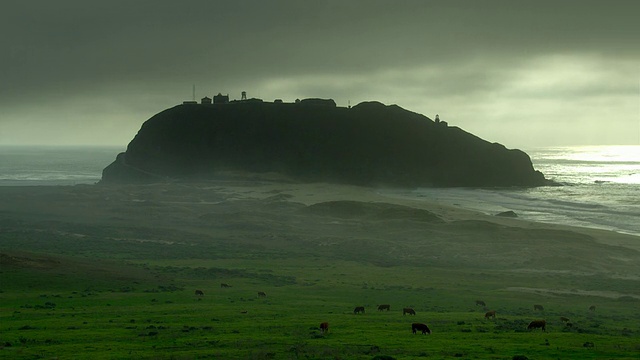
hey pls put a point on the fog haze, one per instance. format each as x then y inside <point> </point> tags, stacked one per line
<point>524,74</point>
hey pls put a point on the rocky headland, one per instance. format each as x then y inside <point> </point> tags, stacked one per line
<point>314,140</point>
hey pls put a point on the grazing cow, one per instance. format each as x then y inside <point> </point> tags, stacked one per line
<point>199,293</point>
<point>535,324</point>
<point>358,310</point>
<point>422,327</point>
<point>223,285</point>
<point>261,294</point>
<point>480,302</point>
<point>409,311</point>
<point>564,319</point>
<point>538,307</point>
<point>384,307</point>
<point>490,314</point>
<point>324,327</point>
<point>592,308</point>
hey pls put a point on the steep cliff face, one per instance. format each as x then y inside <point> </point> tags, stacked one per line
<point>369,144</point>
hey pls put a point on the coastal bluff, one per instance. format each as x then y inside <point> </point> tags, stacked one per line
<point>313,140</point>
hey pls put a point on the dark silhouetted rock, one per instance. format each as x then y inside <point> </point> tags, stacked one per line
<point>509,213</point>
<point>369,144</point>
<point>318,102</point>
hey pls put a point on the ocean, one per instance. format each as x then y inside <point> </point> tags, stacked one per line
<point>600,188</point>
<point>600,185</point>
<point>54,165</point>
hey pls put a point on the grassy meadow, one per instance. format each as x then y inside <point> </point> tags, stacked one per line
<point>93,272</point>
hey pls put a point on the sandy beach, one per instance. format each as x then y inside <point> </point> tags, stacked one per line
<point>405,231</point>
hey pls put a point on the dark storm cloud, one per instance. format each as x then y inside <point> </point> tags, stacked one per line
<point>107,52</point>
<point>54,43</point>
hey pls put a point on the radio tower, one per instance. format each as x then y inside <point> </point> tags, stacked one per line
<point>194,92</point>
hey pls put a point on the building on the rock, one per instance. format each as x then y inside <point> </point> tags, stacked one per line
<point>221,99</point>
<point>441,123</point>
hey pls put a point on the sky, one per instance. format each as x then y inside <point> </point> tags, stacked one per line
<point>525,74</point>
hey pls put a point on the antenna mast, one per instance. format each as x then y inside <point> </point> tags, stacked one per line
<point>194,92</point>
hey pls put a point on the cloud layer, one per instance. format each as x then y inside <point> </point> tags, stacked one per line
<point>521,73</point>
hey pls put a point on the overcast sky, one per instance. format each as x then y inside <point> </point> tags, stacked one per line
<point>521,73</point>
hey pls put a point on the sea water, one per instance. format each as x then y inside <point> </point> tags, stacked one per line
<point>599,188</point>
<point>54,165</point>
<point>600,185</point>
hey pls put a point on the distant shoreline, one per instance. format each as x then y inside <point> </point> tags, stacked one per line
<point>313,193</point>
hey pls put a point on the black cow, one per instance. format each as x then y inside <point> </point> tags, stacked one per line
<point>199,293</point>
<point>422,327</point>
<point>384,307</point>
<point>538,307</point>
<point>358,310</point>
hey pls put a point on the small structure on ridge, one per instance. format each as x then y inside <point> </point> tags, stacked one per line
<point>221,99</point>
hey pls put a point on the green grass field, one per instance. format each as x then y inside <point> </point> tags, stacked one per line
<point>93,289</point>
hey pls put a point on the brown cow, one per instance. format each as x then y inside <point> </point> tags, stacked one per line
<point>490,314</point>
<point>261,294</point>
<point>480,302</point>
<point>223,285</point>
<point>358,310</point>
<point>324,327</point>
<point>199,293</point>
<point>538,307</point>
<point>535,324</point>
<point>384,307</point>
<point>422,327</point>
<point>592,308</point>
<point>409,311</point>
<point>564,319</point>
